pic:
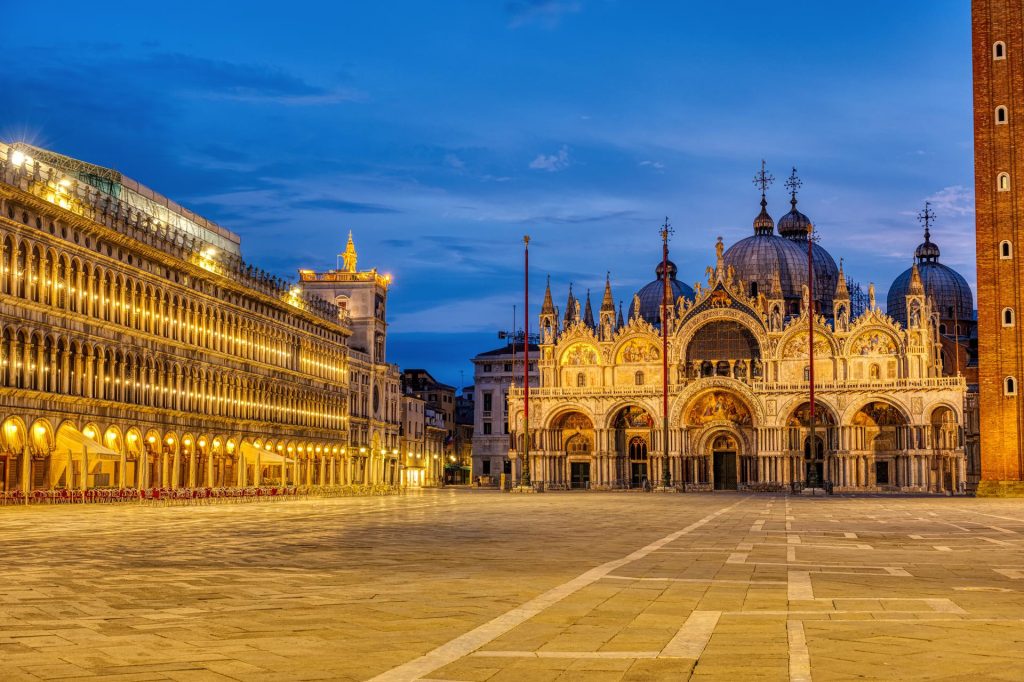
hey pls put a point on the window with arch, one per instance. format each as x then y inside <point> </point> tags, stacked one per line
<point>638,378</point>
<point>875,372</point>
<point>1010,386</point>
<point>1005,250</point>
<point>999,50</point>
<point>1003,182</point>
<point>1002,115</point>
<point>581,380</point>
<point>1008,318</point>
<point>807,372</point>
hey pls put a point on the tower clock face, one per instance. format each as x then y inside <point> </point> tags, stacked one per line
<point>376,399</point>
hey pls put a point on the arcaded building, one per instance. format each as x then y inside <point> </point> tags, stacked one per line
<point>139,350</point>
<point>739,368</point>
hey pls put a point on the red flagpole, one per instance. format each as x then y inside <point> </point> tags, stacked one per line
<point>526,361</point>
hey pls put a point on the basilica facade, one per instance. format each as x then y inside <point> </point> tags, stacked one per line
<point>739,354</point>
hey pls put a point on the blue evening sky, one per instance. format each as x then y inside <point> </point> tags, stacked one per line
<point>440,132</point>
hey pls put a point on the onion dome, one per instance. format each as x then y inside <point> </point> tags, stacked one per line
<point>758,259</point>
<point>650,296</point>
<point>946,289</point>
<point>794,225</point>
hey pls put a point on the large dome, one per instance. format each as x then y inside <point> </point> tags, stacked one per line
<point>757,258</point>
<point>947,289</point>
<point>651,294</point>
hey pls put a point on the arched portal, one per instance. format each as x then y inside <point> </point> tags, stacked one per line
<point>633,429</point>
<point>573,445</point>
<point>813,444</point>
<point>878,437</point>
<point>725,455</point>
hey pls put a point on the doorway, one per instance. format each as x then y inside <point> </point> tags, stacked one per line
<point>725,471</point>
<point>579,475</point>
<point>815,462</point>
<point>637,462</point>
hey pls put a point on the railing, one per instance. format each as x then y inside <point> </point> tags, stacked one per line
<point>756,386</point>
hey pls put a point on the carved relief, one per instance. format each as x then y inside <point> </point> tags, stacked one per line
<point>639,351</point>
<point>873,343</point>
<point>797,347</point>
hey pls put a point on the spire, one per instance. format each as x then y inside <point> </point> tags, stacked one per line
<point>588,315</point>
<point>349,257</point>
<point>608,303</point>
<point>570,307</point>
<point>793,184</point>
<point>916,287</point>
<point>775,292</point>
<point>619,321</point>
<point>549,306</point>
<point>842,292</point>
<point>763,223</point>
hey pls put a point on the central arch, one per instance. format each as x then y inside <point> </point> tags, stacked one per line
<point>633,433</point>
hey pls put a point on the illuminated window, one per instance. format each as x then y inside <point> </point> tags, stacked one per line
<point>638,378</point>
<point>1002,115</point>
<point>999,50</point>
<point>1004,182</point>
<point>1007,317</point>
<point>1005,250</point>
<point>1010,386</point>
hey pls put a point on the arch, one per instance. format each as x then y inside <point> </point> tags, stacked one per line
<point>1005,250</point>
<point>718,406</point>
<point>630,415</point>
<point>579,353</point>
<point>999,50</point>
<point>722,339</point>
<point>636,348</point>
<point>705,439</point>
<point>14,435</point>
<point>885,408</point>
<point>42,435</point>
<point>1008,317</point>
<point>1003,182</point>
<point>1010,386</point>
<point>1002,115</point>
<point>798,413</point>
<point>874,340</point>
<point>682,402</point>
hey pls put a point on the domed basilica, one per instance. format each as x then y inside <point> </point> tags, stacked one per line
<point>889,408</point>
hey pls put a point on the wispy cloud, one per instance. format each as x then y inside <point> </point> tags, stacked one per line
<point>552,163</point>
<point>546,13</point>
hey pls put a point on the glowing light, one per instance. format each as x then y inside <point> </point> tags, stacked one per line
<point>18,158</point>
<point>89,432</point>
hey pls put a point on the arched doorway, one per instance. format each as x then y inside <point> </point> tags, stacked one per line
<point>571,464</point>
<point>633,430</point>
<point>812,454</point>
<point>879,435</point>
<point>724,453</point>
<point>638,462</point>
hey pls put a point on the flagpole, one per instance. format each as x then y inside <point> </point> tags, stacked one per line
<point>666,473</point>
<point>525,480</point>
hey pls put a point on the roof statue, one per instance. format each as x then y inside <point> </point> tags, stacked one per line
<point>349,257</point>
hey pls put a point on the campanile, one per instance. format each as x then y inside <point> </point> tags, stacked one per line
<point>998,47</point>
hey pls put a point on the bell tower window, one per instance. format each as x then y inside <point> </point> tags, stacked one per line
<point>1010,386</point>
<point>1002,115</point>
<point>1008,318</point>
<point>999,51</point>
<point>1004,182</point>
<point>1005,250</point>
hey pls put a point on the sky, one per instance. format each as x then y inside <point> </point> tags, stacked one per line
<point>441,132</point>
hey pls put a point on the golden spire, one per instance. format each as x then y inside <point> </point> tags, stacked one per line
<point>842,292</point>
<point>349,257</point>
<point>608,304</point>
<point>549,306</point>
<point>916,286</point>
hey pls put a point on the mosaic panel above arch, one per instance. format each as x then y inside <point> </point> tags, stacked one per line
<point>579,354</point>
<point>718,406</point>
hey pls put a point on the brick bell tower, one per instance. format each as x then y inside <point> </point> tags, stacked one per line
<point>998,46</point>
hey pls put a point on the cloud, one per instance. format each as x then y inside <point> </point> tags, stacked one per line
<point>552,163</point>
<point>453,161</point>
<point>342,206</point>
<point>656,165</point>
<point>547,13</point>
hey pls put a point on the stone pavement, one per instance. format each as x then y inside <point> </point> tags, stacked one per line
<point>469,585</point>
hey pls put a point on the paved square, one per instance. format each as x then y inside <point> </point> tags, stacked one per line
<point>469,585</point>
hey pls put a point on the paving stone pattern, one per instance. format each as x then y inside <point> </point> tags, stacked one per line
<point>469,585</point>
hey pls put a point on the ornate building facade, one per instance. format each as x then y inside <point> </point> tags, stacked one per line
<point>738,382</point>
<point>998,28</point>
<point>138,349</point>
